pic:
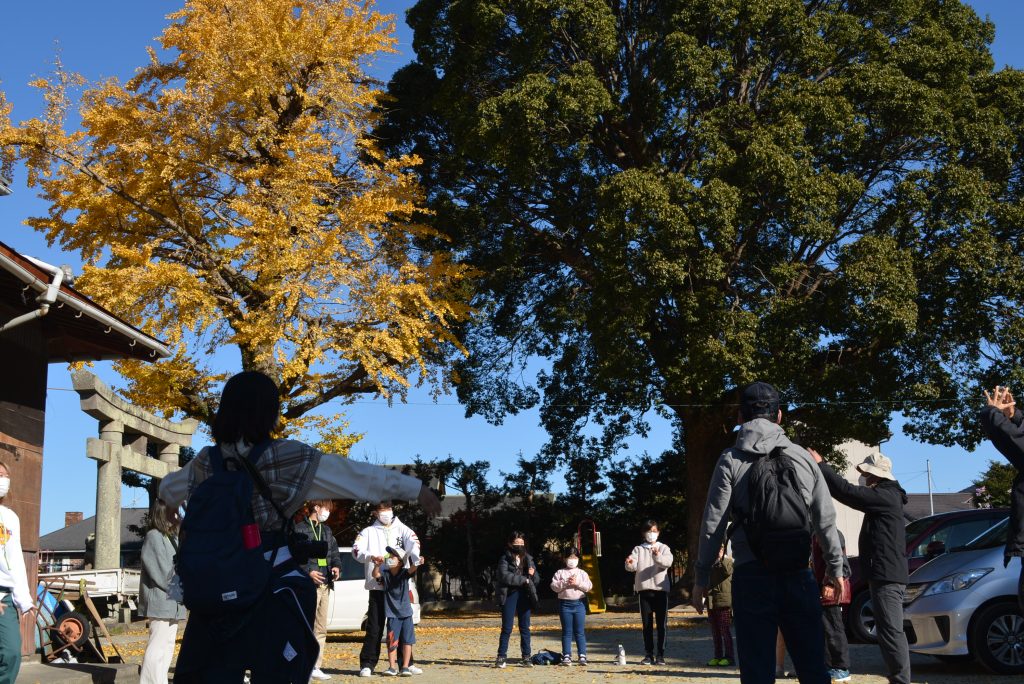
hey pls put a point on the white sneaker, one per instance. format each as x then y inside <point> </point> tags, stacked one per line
<point>320,674</point>
<point>414,670</point>
<point>366,672</point>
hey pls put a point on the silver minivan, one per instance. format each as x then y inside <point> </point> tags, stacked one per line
<point>963,604</point>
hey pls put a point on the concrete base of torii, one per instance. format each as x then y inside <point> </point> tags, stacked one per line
<point>125,432</point>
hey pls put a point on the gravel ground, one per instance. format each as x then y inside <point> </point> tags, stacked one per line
<point>454,650</point>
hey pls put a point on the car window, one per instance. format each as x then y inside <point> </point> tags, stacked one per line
<point>953,534</point>
<point>992,538</point>
<point>917,527</point>
<point>351,569</point>
<point>965,530</point>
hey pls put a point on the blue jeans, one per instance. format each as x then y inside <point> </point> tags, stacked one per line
<point>573,615</point>
<point>764,602</point>
<point>517,604</point>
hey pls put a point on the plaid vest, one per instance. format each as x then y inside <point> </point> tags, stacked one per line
<point>288,467</point>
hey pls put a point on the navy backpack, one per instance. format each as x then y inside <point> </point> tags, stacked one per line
<point>220,558</point>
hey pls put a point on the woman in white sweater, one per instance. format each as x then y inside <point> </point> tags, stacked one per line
<point>651,561</point>
<point>15,597</point>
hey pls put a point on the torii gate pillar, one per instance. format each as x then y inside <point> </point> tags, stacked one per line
<point>124,433</point>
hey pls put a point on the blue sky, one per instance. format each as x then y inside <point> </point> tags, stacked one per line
<point>108,39</point>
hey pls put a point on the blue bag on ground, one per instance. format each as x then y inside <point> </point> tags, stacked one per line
<point>546,657</point>
<point>218,573</point>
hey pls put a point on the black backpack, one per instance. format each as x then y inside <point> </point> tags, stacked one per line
<point>219,561</point>
<point>777,522</point>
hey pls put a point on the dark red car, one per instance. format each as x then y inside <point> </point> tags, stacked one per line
<point>926,538</point>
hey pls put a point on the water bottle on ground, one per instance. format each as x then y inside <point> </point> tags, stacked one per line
<point>622,656</point>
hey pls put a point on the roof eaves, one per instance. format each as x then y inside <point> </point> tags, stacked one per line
<point>23,270</point>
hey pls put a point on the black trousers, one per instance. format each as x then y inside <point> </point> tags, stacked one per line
<point>274,640</point>
<point>369,656</point>
<point>654,611</point>
<point>837,648</point>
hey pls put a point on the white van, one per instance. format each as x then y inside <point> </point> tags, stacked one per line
<point>347,611</point>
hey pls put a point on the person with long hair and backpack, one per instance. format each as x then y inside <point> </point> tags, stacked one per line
<point>240,563</point>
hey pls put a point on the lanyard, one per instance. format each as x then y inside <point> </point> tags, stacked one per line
<point>317,529</point>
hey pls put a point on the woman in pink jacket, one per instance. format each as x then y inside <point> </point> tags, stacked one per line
<point>572,584</point>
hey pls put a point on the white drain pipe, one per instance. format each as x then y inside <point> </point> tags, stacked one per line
<point>47,298</point>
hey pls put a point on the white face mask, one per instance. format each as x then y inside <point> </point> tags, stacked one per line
<point>323,515</point>
<point>571,563</point>
<point>385,517</point>
<point>5,485</point>
<point>392,562</point>
<point>651,537</point>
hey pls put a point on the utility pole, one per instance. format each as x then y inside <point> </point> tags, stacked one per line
<point>931,501</point>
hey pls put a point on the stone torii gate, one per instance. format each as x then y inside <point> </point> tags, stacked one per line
<point>125,431</point>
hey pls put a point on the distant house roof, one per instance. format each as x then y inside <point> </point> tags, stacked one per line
<point>918,505</point>
<point>72,538</point>
<point>77,328</point>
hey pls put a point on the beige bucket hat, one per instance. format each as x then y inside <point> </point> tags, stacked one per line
<point>877,464</point>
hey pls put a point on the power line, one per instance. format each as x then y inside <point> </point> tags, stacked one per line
<point>887,402</point>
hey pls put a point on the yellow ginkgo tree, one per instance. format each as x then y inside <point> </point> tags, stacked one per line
<point>229,196</point>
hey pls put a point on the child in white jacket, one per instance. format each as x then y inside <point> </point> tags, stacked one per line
<point>572,584</point>
<point>651,561</point>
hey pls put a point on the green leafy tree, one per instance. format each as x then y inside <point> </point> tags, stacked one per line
<point>992,489</point>
<point>666,200</point>
<point>470,480</point>
<point>527,495</point>
<point>639,489</point>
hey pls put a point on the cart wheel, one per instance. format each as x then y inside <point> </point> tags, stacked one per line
<point>72,628</point>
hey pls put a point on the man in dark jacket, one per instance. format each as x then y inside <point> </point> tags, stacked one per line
<point>882,549</point>
<point>1001,422</point>
<point>323,571</point>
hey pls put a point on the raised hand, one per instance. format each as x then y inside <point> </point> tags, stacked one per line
<point>1002,400</point>
<point>815,455</point>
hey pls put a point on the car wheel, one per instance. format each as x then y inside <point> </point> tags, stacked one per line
<point>997,638</point>
<point>862,618</point>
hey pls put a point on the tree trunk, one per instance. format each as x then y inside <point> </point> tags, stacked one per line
<point>706,433</point>
<point>470,566</point>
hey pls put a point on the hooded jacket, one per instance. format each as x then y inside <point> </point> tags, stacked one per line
<point>374,540</point>
<point>720,589</point>
<point>883,539</point>
<point>1007,437</point>
<point>728,492</point>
